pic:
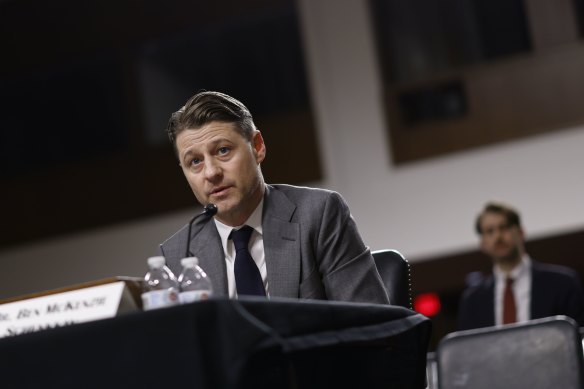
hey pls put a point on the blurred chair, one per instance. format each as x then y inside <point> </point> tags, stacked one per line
<point>394,270</point>
<point>539,354</point>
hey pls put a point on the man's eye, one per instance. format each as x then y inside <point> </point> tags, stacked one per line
<point>223,150</point>
<point>195,161</point>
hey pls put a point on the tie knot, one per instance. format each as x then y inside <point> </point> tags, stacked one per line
<point>241,237</point>
<point>509,281</point>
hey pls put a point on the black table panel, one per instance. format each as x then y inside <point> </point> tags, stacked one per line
<point>220,343</point>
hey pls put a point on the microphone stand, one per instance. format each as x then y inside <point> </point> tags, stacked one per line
<point>209,210</point>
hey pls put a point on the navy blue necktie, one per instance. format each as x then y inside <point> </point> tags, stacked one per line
<point>248,279</point>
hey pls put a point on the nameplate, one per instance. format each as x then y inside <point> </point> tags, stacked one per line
<point>65,308</point>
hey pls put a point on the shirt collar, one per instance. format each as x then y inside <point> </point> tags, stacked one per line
<point>520,270</point>
<point>254,221</point>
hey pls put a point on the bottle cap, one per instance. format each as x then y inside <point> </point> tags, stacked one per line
<point>189,261</point>
<point>156,262</point>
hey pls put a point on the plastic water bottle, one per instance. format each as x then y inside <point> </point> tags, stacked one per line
<point>193,281</point>
<point>160,285</point>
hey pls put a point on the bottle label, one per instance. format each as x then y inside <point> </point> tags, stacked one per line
<point>193,295</point>
<point>159,299</point>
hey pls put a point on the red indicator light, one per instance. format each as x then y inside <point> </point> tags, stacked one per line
<point>428,304</point>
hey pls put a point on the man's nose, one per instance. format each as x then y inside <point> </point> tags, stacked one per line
<point>212,170</point>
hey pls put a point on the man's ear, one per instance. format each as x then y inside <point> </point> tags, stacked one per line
<point>522,234</point>
<point>482,245</point>
<point>258,146</point>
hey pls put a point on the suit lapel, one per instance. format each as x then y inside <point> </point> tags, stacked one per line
<point>538,305</point>
<point>489,314</point>
<point>281,245</point>
<point>206,245</point>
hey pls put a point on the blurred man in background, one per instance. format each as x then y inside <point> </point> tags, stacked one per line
<point>520,289</point>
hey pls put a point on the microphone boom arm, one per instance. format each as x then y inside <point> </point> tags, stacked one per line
<point>209,210</point>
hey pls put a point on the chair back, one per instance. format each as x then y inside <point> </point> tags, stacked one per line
<point>431,371</point>
<point>394,270</point>
<point>539,354</point>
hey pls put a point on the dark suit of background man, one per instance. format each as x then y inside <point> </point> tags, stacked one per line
<point>304,241</point>
<point>538,290</point>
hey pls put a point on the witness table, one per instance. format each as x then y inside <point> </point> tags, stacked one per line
<point>220,343</point>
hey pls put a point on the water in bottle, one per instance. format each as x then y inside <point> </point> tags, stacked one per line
<point>160,285</point>
<point>193,282</point>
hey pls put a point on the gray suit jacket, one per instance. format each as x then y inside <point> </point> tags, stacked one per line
<point>312,246</point>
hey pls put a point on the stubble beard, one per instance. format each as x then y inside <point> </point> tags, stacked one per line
<point>512,258</point>
<point>239,212</point>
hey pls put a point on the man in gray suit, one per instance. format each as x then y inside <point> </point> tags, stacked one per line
<point>303,241</point>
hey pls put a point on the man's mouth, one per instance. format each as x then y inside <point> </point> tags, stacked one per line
<point>219,191</point>
<point>502,249</point>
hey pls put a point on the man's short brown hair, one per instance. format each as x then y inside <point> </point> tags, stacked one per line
<point>510,213</point>
<point>206,107</point>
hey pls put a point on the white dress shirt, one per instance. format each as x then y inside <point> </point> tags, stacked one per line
<point>521,275</point>
<point>256,248</point>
